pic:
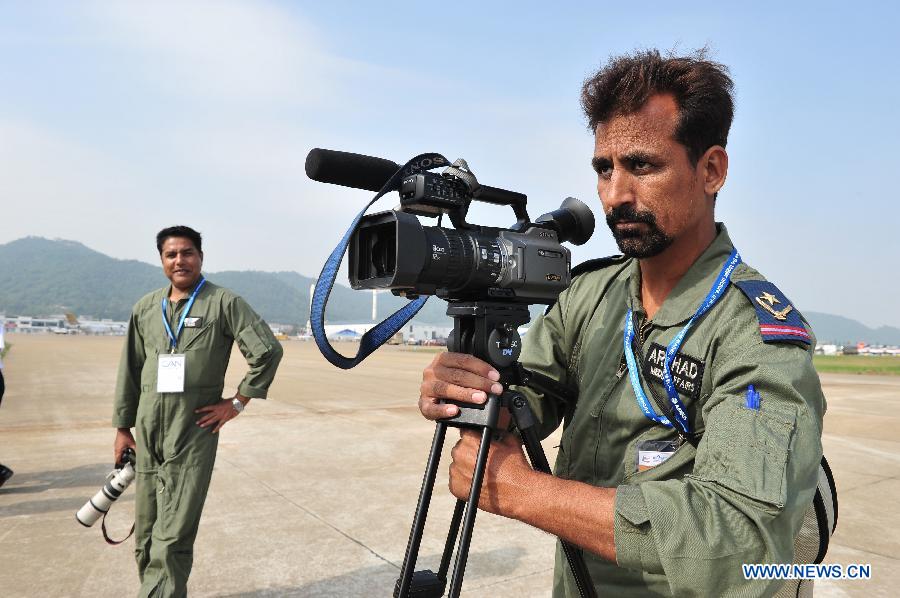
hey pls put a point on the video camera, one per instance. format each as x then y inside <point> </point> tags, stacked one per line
<point>522,264</point>
<point>488,276</point>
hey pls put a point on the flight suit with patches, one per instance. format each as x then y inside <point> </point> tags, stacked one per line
<point>684,527</point>
<point>174,455</point>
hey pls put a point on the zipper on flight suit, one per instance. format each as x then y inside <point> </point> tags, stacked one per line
<point>644,328</point>
<point>642,333</point>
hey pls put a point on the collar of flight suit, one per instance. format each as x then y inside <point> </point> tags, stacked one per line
<point>693,287</point>
<point>167,292</point>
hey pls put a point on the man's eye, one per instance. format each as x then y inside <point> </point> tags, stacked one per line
<point>641,165</point>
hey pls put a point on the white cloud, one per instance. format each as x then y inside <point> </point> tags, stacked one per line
<point>227,50</point>
<point>57,187</point>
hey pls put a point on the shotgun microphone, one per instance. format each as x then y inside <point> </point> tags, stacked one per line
<point>348,169</point>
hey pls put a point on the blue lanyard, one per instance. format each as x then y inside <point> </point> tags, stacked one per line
<point>174,337</point>
<point>681,417</point>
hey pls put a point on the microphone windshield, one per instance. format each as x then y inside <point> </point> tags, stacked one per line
<point>348,169</point>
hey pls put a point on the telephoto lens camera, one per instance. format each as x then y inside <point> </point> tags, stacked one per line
<point>117,482</point>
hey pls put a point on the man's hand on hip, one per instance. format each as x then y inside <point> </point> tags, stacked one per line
<point>219,413</point>
<point>457,376</point>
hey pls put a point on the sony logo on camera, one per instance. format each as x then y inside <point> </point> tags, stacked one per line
<point>425,164</point>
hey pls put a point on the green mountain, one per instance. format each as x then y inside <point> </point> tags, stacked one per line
<point>843,331</point>
<point>42,277</point>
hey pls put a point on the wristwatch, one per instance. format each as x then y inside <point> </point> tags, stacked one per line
<point>237,404</point>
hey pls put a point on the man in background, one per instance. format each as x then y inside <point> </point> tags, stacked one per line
<point>169,389</point>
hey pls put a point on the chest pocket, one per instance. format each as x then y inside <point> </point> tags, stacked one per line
<point>199,338</point>
<point>747,451</point>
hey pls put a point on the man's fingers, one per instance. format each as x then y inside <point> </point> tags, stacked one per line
<point>458,386</point>
<point>458,377</point>
<point>431,409</point>
<point>466,379</point>
<point>440,389</point>
<point>207,419</point>
<point>464,361</point>
<point>434,390</point>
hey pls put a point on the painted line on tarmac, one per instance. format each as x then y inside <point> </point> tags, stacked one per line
<point>314,515</point>
<point>863,448</point>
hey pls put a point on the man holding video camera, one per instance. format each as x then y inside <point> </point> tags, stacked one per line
<point>169,389</point>
<point>694,444</point>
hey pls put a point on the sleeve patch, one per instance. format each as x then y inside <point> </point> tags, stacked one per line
<point>778,319</point>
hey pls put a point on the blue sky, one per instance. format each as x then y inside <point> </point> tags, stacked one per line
<point>117,119</point>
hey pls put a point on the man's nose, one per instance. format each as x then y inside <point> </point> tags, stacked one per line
<point>618,190</point>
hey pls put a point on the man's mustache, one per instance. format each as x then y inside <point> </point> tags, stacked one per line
<point>627,213</point>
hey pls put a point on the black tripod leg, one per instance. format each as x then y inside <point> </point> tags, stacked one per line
<point>415,535</point>
<point>524,419</point>
<point>451,539</point>
<point>462,553</point>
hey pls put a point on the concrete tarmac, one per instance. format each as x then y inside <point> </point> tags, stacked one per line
<point>314,489</point>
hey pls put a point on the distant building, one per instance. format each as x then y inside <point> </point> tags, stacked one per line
<point>827,349</point>
<point>419,333</point>
<point>64,325</point>
<point>412,331</point>
<point>30,325</point>
<point>102,327</point>
<point>344,330</point>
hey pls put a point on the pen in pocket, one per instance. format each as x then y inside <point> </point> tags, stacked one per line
<point>753,397</point>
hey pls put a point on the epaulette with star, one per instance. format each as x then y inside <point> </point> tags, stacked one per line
<point>779,321</point>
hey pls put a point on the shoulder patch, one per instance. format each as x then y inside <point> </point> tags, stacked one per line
<point>597,264</point>
<point>778,319</point>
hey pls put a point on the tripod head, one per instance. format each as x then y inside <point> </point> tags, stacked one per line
<point>488,330</point>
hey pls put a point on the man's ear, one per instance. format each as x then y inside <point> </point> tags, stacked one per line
<point>714,164</point>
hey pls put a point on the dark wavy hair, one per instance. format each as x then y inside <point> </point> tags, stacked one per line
<point>179,231</point>
<point>702,89</point>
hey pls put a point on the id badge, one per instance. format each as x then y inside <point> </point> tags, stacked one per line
<point>170,373</point>
<point>651,453</point>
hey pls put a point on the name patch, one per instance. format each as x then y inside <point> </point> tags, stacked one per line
<point>687,371</point>
<point>193,322</point>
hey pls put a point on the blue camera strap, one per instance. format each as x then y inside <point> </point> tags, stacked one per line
<point>680,413</point>
<point>383,331</point>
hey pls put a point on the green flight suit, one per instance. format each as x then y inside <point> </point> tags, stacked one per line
<point>175,456</point>
<point>684,527</point>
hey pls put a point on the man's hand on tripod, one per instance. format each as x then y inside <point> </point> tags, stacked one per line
<point>459,377</point>
<point>577,512</point>
<point>507,475</point>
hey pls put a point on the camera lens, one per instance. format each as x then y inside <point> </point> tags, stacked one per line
<point>384,258</point>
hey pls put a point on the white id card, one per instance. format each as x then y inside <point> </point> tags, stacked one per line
<point>170,374</point>
<point>654,452</point>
